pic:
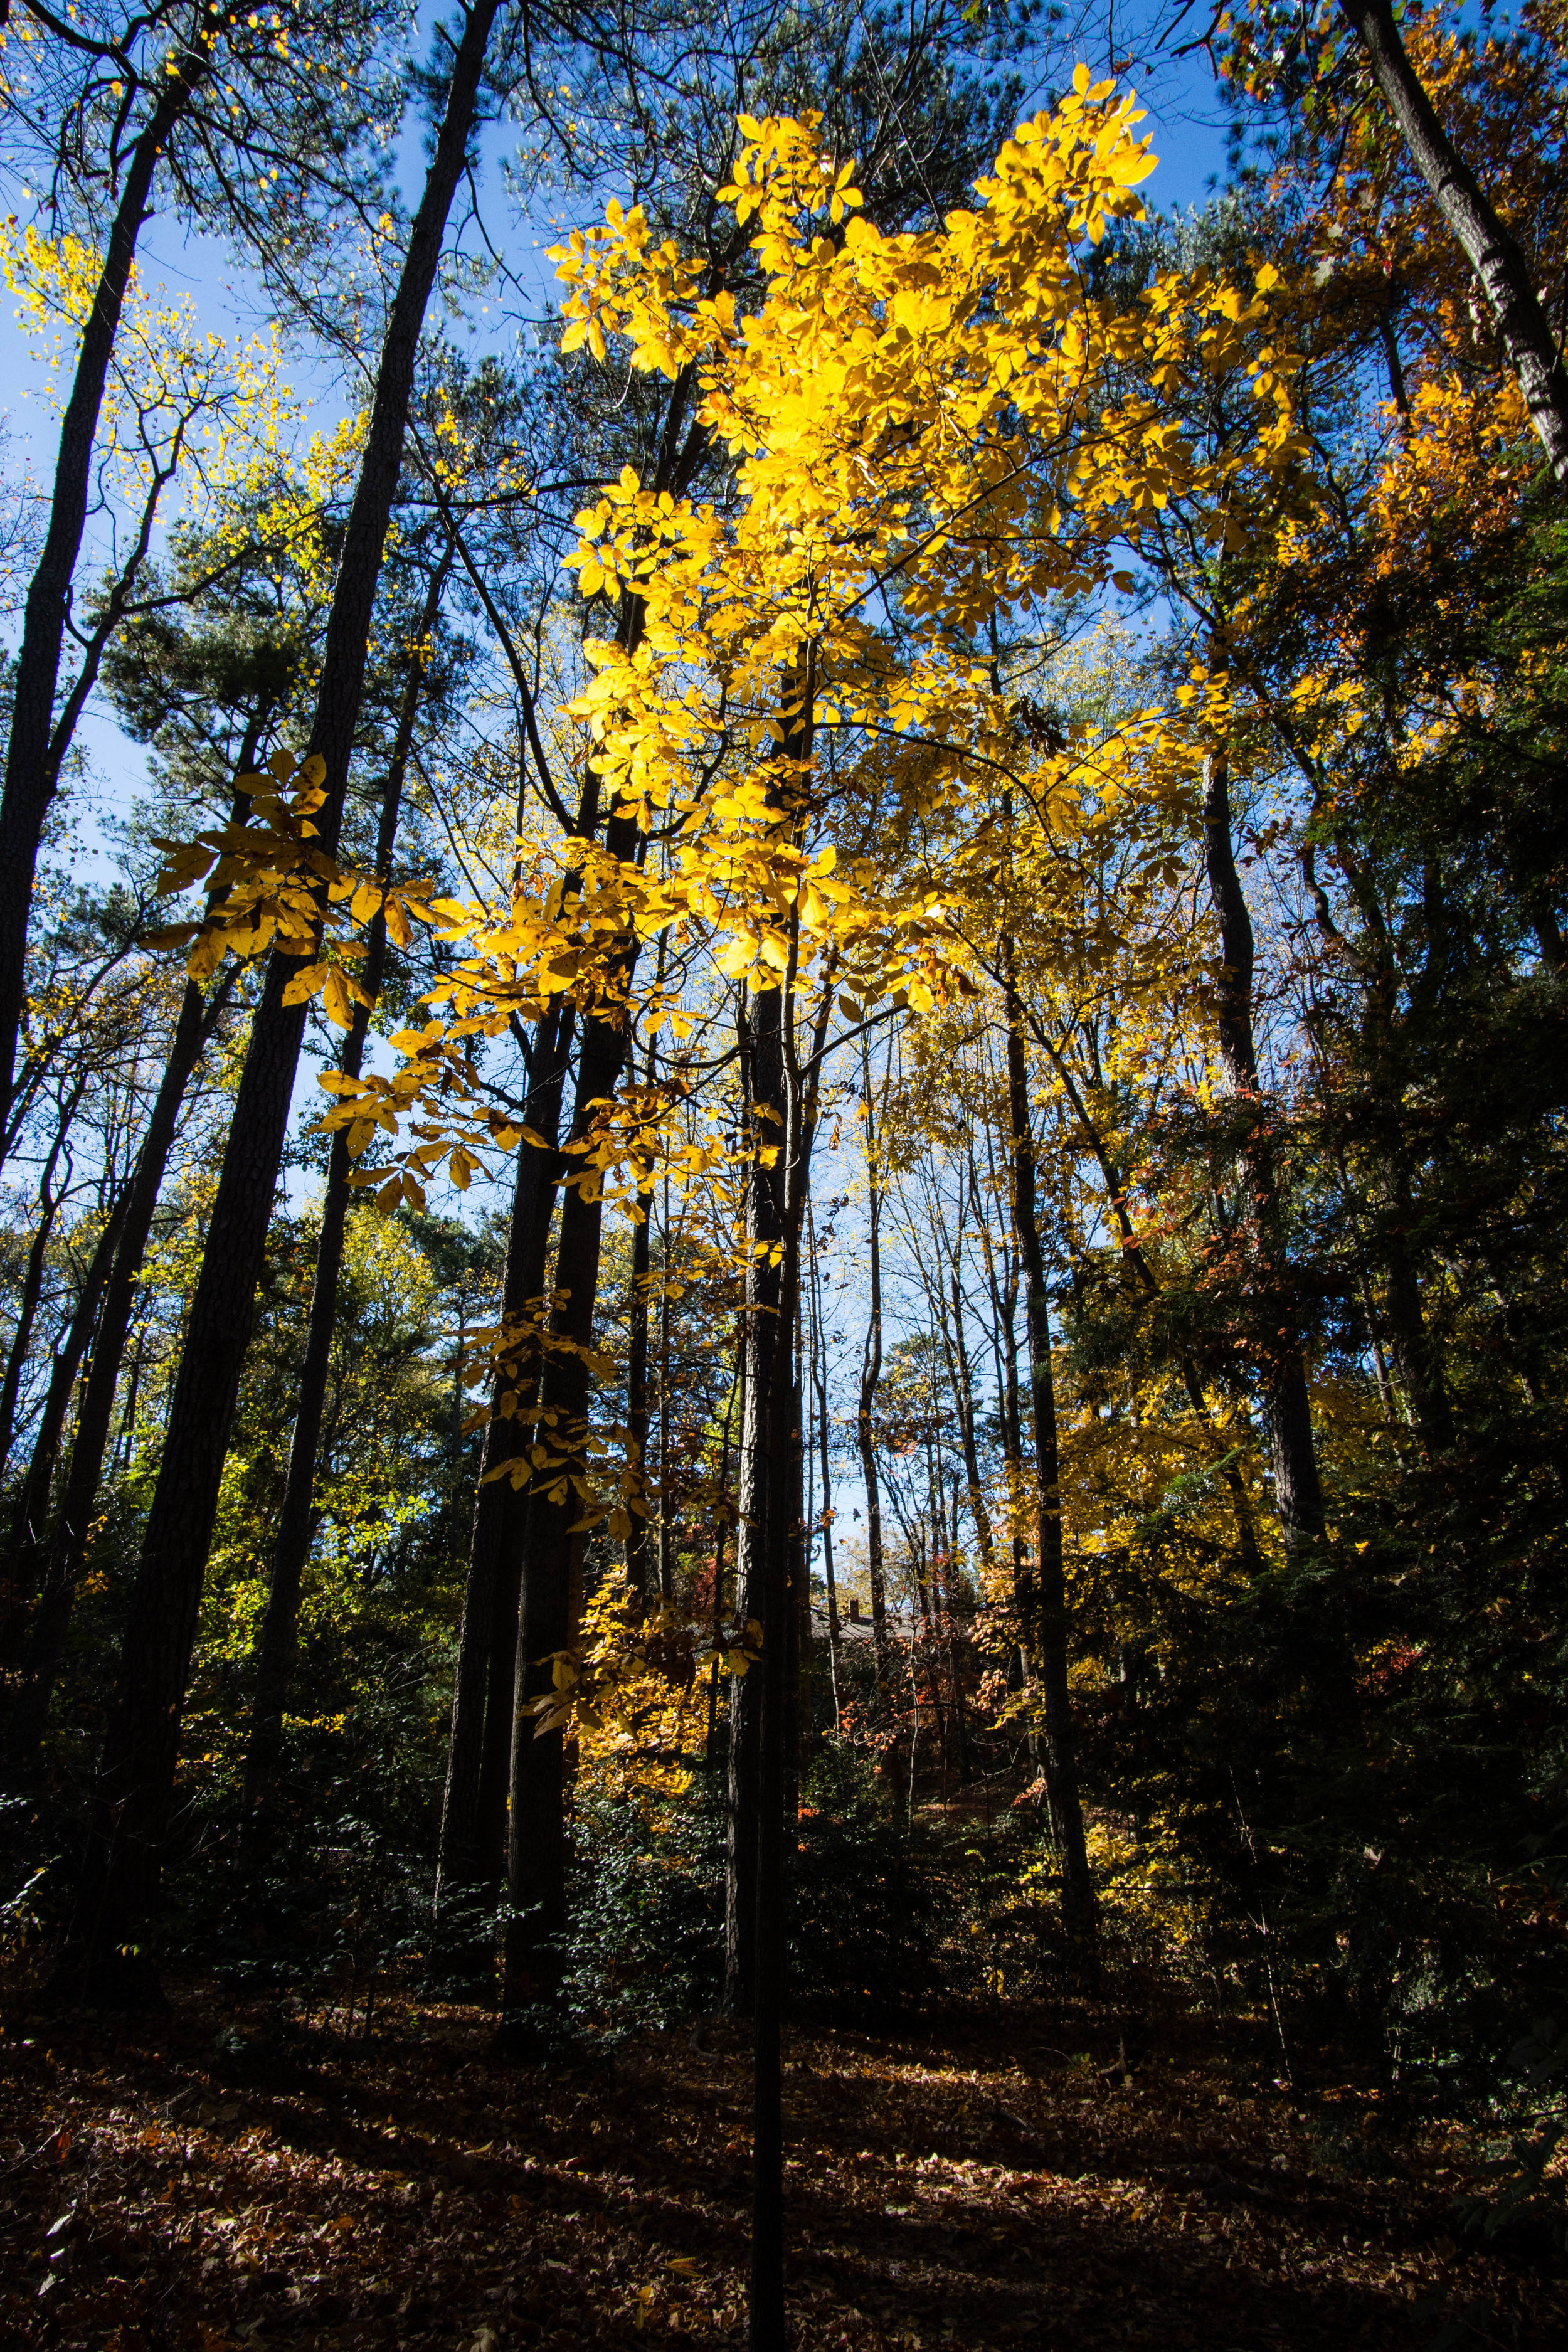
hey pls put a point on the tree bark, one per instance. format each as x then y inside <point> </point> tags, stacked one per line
<point>770,1540</point>
<point>32,762</point>
<point>29,1525</point>
<point>1298,1490</point>
<point>472,1856</point>
<point>33,1275</point>
<point>870,1376</point>
<point>106,1956</point>
<point>536,1827</point>
<point>819,1390</point>
<point>1043,1607</point>
<point>762,1341</point>
<point>639,1575</point>
<point>278,1647</point>
<point>1492,250</point>
<point>67,1545</point>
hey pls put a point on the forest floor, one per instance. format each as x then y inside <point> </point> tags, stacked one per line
<point>202,2180</point>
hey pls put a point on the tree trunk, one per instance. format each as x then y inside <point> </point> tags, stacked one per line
<point>666,1524</point>
<point>1044,1597</point>
<point>721,1545</point>
<point>33,1275</point>
<point>67,1546</point>
<point>1298,1491</point>
<point>472,1857</point>
<point>29,1525</point>
<point>106,1956</point>
<point>764,1341</point>
<point>819,1389</point>
<point>771,1543</point>
<point>32,774</point>
<point>536,1827</point>
<point>870,1376</point>
<point>963,1401</point>
<point>1492,252</point>
<point>1416,1363</point>
<point>277,1646</point>
<point>639,1575</point>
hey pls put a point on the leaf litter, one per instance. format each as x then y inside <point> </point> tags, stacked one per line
<point>216,2179</point>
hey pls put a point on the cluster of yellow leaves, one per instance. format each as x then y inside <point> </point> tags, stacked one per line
<point>609,1681</point>
<point>932,430</point>
<point>269,885</point>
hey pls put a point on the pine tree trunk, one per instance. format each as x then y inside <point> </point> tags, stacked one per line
<point>67,1546</point>
<point>472,1857</point>
<point>1492,252</point>
<point>1043,1600</point>
<point>32,774</point>
<point>278,1647</point>
<point>107,1956</point>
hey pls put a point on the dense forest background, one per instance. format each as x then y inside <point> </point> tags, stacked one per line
<point>783,1229</point>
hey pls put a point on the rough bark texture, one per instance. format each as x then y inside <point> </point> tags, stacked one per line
<point>278,1647</point>
<point>1043,1601</point>
<point>1492,252</point>
<point>106,1957</point>
<point>31,772</point>
<point>68,1547</point>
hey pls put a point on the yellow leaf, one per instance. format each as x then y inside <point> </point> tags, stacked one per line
<point>306,984</point>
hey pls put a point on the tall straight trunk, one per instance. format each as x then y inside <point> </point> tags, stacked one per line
<point>819,1389</point>
<point>770,1541</point>
<point>665,1388</point>
<point>1493,251</point>
<point>639,1554</point>
<point>721,1545</point>
<point>32,760</point>
<point>29,1524</point>
<point>1298,1490</point>
<point>870,1378</point>
<point>552,1548</point>
<point>964,1404</point>
<point>639,1575</point>
<point>277,1646</point>
<point>33,1274</point>
<point>107,1954</point>
<point>472,1853</point>
<point>1043,1601</point>
<point>797,1619</point>
<point>68,1543</point>
<point>764,1341</point>
<point>536,1824</point>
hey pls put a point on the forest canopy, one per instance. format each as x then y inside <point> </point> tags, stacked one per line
<point>782,1031</point>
